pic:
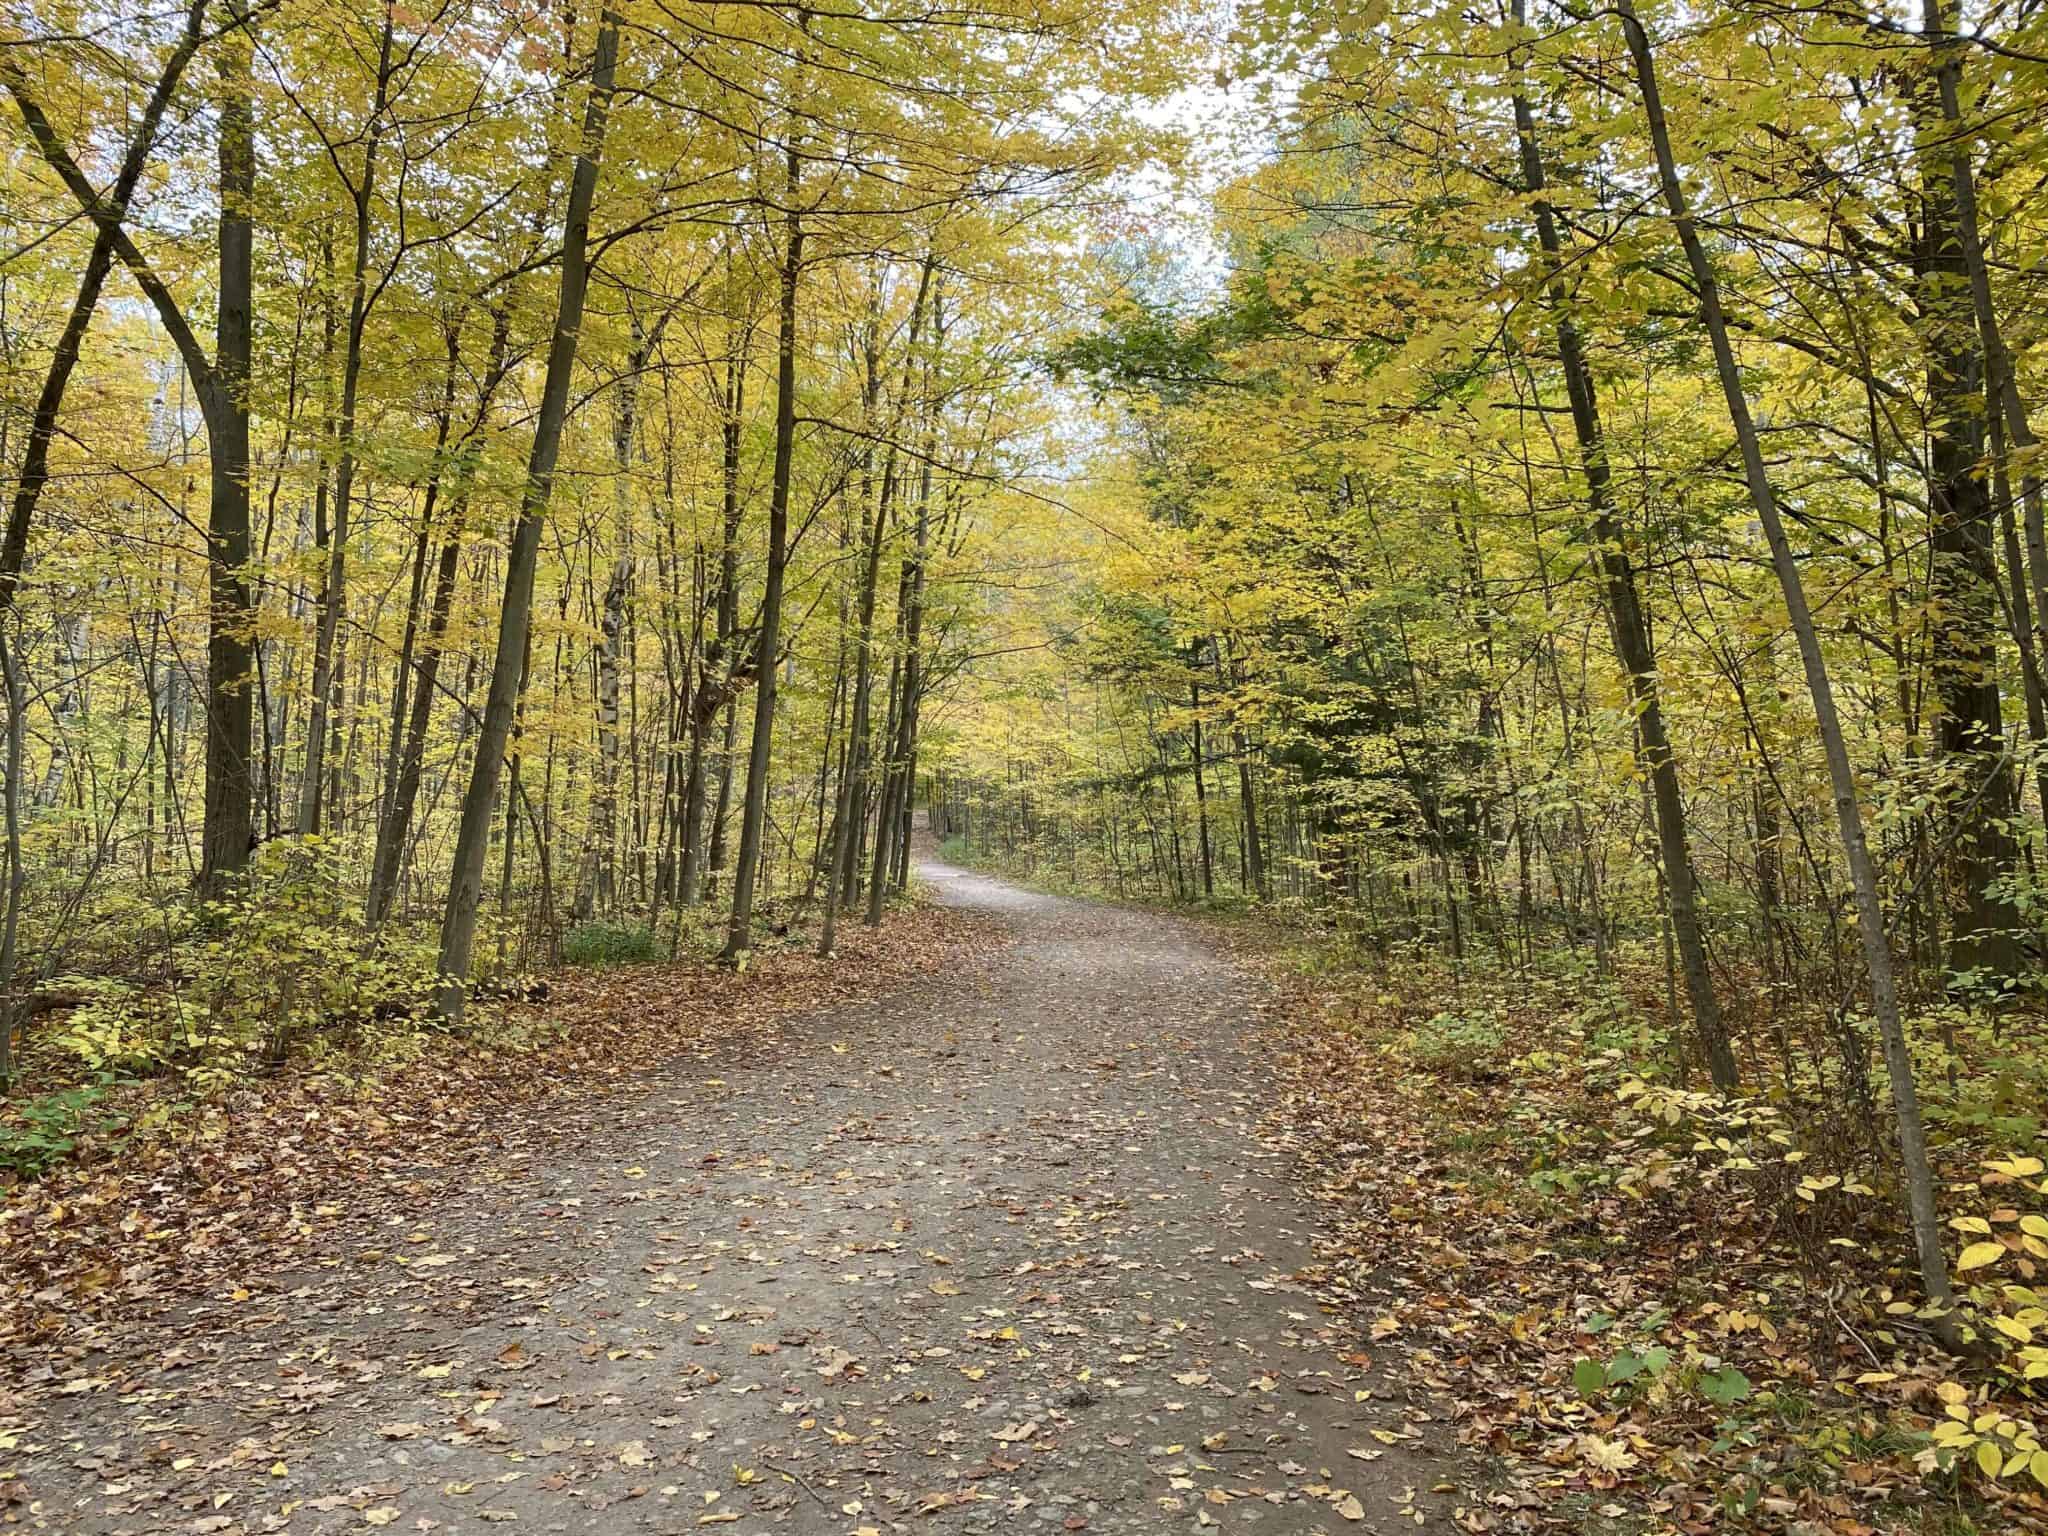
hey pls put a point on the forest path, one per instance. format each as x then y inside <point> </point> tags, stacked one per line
<point>998,1252</point>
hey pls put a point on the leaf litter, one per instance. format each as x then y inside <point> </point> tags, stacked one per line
<point>876,1247</point>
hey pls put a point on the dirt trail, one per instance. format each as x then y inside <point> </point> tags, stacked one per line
<point>1001,1252</point>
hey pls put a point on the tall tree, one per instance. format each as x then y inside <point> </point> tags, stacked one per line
<point>465,880</point>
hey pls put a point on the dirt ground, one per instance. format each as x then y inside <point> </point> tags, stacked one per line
<point>1003,1251</point>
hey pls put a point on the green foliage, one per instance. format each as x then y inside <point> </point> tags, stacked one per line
<point>1997,1068</point>
<point>603,943</point>
<point>1724,1387</point>
<point>47,1129</point>
<point>1144,347</point>
<point>1467,1044</point>
<point>1590,1378</point>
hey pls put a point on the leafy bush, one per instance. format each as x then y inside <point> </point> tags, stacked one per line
<point>954,850</point>
<point>603,943</point>
<point>1458,1044</point>
<point>283,958</point>
<point>47,1128</point>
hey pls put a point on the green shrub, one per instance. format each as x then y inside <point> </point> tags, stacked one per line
<point>282,959</point>
<point>48,1128</point>
<point>609,944</point>
<point>1458,1044</point>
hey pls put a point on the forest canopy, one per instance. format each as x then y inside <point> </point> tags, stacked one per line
<point>1553,495</point>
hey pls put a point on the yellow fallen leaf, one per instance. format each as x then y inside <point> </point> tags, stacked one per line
<point>1977,1255</point>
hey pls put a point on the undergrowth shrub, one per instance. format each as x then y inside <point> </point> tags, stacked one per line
<point>1466,1044</point>
<point>283,960</point>
<point>46,1129</point>
<point>603,943</point>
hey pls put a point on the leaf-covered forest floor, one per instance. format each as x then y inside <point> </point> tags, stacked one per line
<point>987,1227</point>
<point>1647,1328</point>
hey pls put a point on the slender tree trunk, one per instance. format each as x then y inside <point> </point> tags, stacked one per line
<point>1201,788</point>
<point>1870,920</point>
<point>1629,630</point>
<point>465,882</point>
<point>394,830</point>
<point>768,641</point>
<point>416,594</point>
<point>599,887</point>
<point>334,585</point>
<point>850,816</point>
<point>10,917</point>
<point>839,881</point>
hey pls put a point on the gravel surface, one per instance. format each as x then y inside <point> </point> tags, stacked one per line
<point>999,1252</point>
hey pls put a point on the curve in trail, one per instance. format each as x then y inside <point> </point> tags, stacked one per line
<point>999,1252</point>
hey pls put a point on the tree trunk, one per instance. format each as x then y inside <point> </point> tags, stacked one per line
<point>1963,581</point>
<point>10,918</point>
<point>599,888</point>
<point>1870,921</point>
<point>1628,628</point>
<point>1201,788</point>
<point>465,881</point>
<point>230,644</point>
<point>334,584</point>
<point>768,639</point>
<point>34,473</point>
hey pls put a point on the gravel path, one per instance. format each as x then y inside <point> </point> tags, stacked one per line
<point>1002,1252</point>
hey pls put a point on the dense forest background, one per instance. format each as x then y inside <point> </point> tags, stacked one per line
<point>1589,556</point>
<point>1560,523</point>
<point>480,476</point>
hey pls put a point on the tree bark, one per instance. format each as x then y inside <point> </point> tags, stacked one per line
<point>230,646</point>
<point>465,881</point>
<point>768,639</point>
<point>1870,919</point>
<point>1963,581</point>
<point>394,830</point>
<point>334,583</point>
<point>1627,626</point>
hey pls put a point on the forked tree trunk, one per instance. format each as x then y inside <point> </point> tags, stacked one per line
<point>34,473</point>
<point>221,383</point>
<point>394,829</point>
